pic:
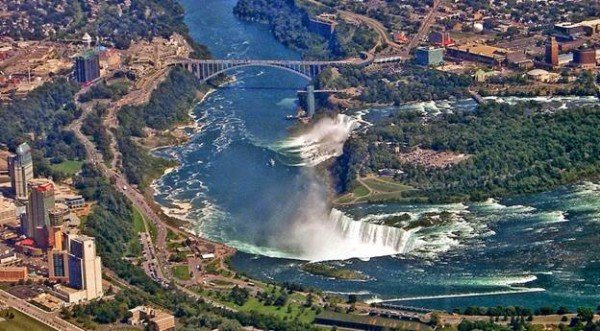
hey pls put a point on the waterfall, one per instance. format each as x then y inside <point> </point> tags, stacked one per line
<point>324,140</point>
<point>379,237</point>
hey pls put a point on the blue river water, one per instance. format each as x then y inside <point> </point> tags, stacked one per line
<point>246,180</point>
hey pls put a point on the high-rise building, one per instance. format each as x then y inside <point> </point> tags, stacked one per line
<point>20,169</point>
<point>58,265</point>
<point>41,201</point>
<point>87,66</point>
<point>552,51</point>
<point>429,56</point>
<point>85,270</point>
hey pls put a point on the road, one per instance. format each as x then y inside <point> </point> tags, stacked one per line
<point>136,198</point>
<point>47,318</point>
<point>374,24</point>
<point>425,26</point>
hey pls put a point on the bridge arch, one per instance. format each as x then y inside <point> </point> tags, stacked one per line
<point>207,69</point>
<point>298,73</point>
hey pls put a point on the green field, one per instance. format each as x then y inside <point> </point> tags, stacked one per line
<point>360,191</point>
<point>182,272</point>
<point>138,221</point>
<point>68,167</point>
<point>384,185</point>
<point>20,322</point>
<point>376,189</point>
<point>305,316</point>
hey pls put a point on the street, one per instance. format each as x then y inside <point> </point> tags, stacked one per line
<point>49,319</point>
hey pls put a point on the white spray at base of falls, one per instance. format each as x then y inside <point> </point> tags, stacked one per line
<point>323,141</point>
<point>318,232</point>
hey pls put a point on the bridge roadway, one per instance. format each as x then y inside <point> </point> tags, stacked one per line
<point>206,69</point>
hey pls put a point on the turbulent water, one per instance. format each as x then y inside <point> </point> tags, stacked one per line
<point>247,180</point>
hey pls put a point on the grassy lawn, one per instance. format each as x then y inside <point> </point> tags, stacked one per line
<point>281,312</point>
<point>68,167</point>
<point>138,221</point>
<point>360,191</point>
<point>21,322</point>
<point>384,185</point>
<point>172,235</point>
<point>182,272</point>
<point>345,199</point>
<point>153,231</point>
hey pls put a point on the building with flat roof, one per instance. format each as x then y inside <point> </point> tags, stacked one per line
<point>8,212</point>
<point>69,295</point>
<point>13,274</point>
<point>584,58</point>
<point>41,201</point>
<point>156,319</point>
<point>429,56</point>
<point>85,267</point>
<point>589,27</point>
<point>75,202</point>
<point>478,53</point>
<point>20,169</point>
<point>87,66</point>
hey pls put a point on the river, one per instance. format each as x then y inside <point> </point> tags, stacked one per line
<point>529,251</point>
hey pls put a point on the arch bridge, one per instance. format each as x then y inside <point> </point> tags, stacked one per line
<point>207,69</point>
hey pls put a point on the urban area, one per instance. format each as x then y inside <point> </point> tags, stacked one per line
<point>89,88</point>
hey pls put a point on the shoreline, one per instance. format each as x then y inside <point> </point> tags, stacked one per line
<point>172,213</point>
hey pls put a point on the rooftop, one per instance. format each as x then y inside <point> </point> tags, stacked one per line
<point>588,23</point>
<point>481,49</point>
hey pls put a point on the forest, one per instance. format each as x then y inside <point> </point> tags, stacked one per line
<point>111,223</point>
<point>513,149</point>
<point>396,87</point>
<point>168,105</point>
<point>289,23</point>
<point>39,120</point>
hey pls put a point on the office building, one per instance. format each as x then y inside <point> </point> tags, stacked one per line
<point>551,56</point>
<point>157,320</point>
<point>429,56</point>
<point>85,271</point>
<point>58,265</point>
<point>37,222</point>
<point>69,295</point>
<point>87,67</point>
<point>20,169</point>
<point>13,274</point>
<point>478,53</point>
<point>8,212</point>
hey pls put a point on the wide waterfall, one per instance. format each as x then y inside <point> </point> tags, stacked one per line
<point>379,237</point>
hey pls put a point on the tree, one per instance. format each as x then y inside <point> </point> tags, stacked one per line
<point>585,314</point>
<point>352,299</point>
